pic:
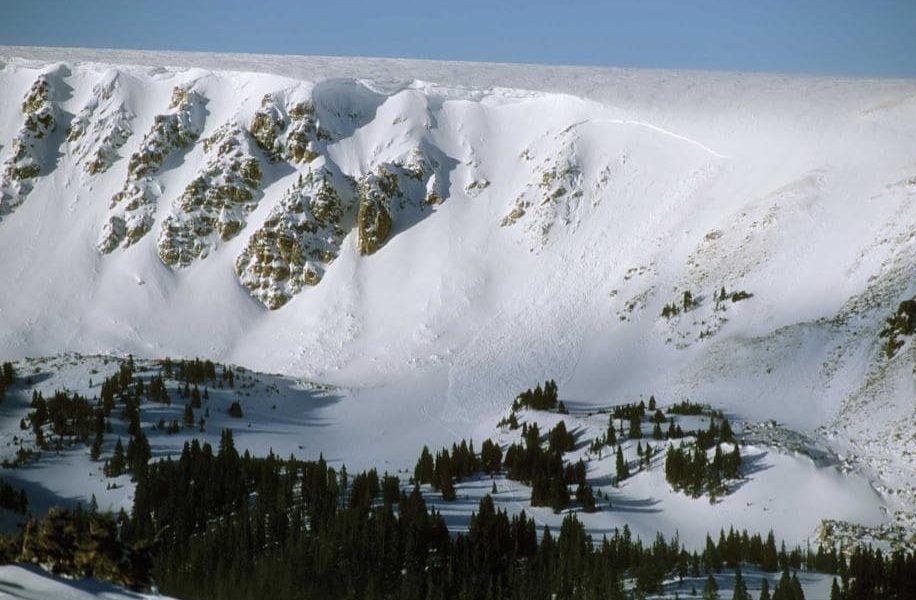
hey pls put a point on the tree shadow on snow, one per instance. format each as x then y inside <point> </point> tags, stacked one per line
<point>751,464</point>
<point>634,505</point>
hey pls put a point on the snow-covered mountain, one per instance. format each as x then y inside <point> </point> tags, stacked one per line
<point>434,237</point>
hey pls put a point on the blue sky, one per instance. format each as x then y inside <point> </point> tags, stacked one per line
<point>869,37</point>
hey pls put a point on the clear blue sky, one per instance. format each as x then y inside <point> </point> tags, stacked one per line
<point>867,37</point>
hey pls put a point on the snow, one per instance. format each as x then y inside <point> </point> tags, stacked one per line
<point>796,189</point>
<point>780,489</point>
<point>783,486</point>
<point>30,583</point>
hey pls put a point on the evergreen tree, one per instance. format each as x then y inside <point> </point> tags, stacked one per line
<point>635,427</point>
<point>447,486</point>
<point>586,497</point>
<point>610,437</point>
<point>423,472</point>
<point>8,374</point>
<point>710,588</point>
<point>95,453</point>
<point>770,561</point>
<point>796,588</point>
<point>835,592</point>
<point>138,453</point>
<point>98,552</point>
<point>491,456</point>
<point>560,440</point>
<point>740,589</point>
<point>623,471</point>
<point>765,589</point>
<point>116,465</point>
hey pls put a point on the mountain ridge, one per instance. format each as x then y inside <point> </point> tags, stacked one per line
<point>483,237</point>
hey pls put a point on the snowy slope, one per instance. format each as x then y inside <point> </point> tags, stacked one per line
<point>542,219</point>
<point>30,583</point>
<point>783,483</point>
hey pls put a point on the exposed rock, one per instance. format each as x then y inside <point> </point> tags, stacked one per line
<point>301,236</point>
<point>553,199</point>
<point>170,133</point>
<point>390,189</point>
<point>287,131</point>
<point>215,205</point>
<point>901,324</point>
<point>373,221</point>
<point>24,162</point>
<point>101,128</point>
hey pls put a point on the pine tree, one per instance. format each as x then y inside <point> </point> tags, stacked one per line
<point>491,456</point>
<point>835,592</point>
<point>769,562</point>
<point>98,553</point>
<point>96,451</point>
<point>783,588</point>
<point>586,497</point>
<point>710,588</point>
<point>423,472</point>
<point>635,427</point>
<point>623,471</point>
<point>447,486</point>
<point>138,453</point>
<point>117,463</point>
<point>188,416</point>
<point>740,591</point>
<point>796,588</point>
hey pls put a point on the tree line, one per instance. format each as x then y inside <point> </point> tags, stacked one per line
<point>217,524</point>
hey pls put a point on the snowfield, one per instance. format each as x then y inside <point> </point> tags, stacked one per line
<point>28,583</point>
<point>463,231</point>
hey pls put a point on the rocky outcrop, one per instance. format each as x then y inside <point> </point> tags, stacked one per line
<point>171,132</point>
<point>215,205</point>
<point>552,198</point>
<point>101,128</point>
<point>287,131</point>
<point>392,189</point>
<point>373,221</point>
<point>25,161</point>
<point>300,238</point>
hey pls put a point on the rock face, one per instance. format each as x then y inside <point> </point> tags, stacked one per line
<point>287,131</point>
<point>300,238</point>
<point>171,132</point>
<point>215,205</point>
<point>392,189</point>
<point>373,222</point>
<point>24,164</point>
<point>304,231</point>
<point>552,197</point>
<point>102,127</point>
